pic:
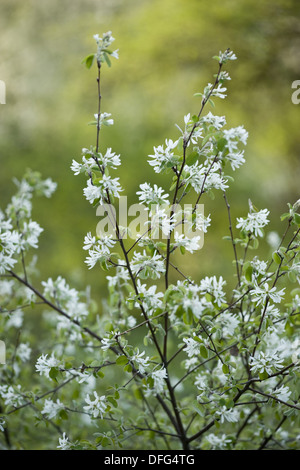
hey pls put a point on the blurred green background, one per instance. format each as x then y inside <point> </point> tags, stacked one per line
<point>166,49</point>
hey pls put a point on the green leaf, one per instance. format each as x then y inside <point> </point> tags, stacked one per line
<point>182,249</point>
<point>221,144</point>
<point>198,408</point>
<point>192,158</point>
<point>225,369</point>
<point>121,360</point>
<point>63,414</point>
<point>248,272</point>
<point>107,59</point>
<point>112,401</point>
<point>297,219</point>
<point>203,351</point>
<point>53,373</point>
<point>88,61</point>
<point>263,375</point>
<point>138,394</point>
<point>277,258</point>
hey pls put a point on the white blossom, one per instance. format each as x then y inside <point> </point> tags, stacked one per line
<point>261,293</point>
<point>214,286</point>
<point>164,158</point>
<point>216,121</point>
<point>96,407</point>
<point>44,364</point>
<point>192,347</point>
<point>218,442</point>
<point>231,415</point>
<point>203,178</point>
<point>190,244</point>
<point>64,443</point>
<point>148,297</point>
<point>158,377</point>
<point>51,409</point>
<point>254,222</point>
<point>151,195</point>
<point>227,55</point>
<point>234,136</point>
<point>11,396</point>
<point>23,352</point>
<point>265,362</point>
<point>147,266</point>
<point>283,393</point>
<point>141,362</point>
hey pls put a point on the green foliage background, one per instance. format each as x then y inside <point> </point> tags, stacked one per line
<point>165,49</point>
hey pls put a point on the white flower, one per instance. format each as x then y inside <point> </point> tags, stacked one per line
<point>192,347</point>
<point>146,266</point>
<point>142,363</point>
<point>103,43</point>
<point>218,91</point>
<point>105,118</point>
<point>202,222</point>
<point>151,195</point>
<point>283,393</point>
<point>229,323</point>
<point>164,158</point>
<point>107,343</point>
<point>60,290</point>
<point>148,297</point>
<point>109,159</point>
<point>214,286</point>
<point>31,231</point>
<point>227,55</point>
<point>158,376</point>
<point>99,191</point>
<point>234,136</point>
<point>76,167</point>
<point>96,407</point>
<point>203,178</point>
<point>232,415</point>
<point>260,294</point>
<point>254,222</point>
<point>260,267</point>
<point>44,364</point>
<point>236,159</point>
<point>51,409</point>
<point>10,396</point>
<point>265,362</point>
<point>218,442</point>
<point>15,319</point>
<point>196,304</point>
<point>89,241</point>
<point>201,382</point>
<point>64,443</point>
<point>92,192</point>
<point>216,121</point>
<point>161,220</point>
<point>190,244</point>
<point>23,352</point>
<point>100,252</point>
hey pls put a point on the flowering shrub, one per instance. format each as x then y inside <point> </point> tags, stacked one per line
<point>164,365</point>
